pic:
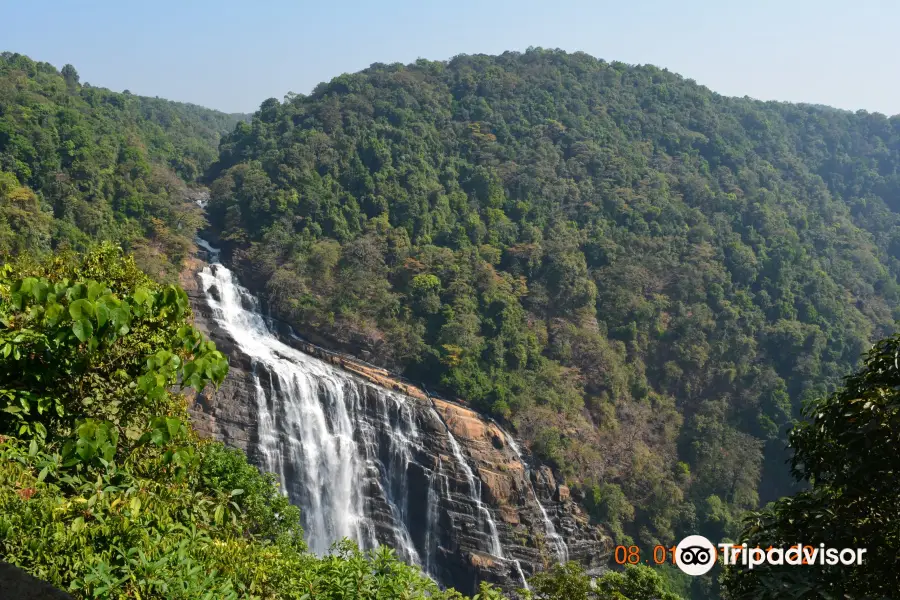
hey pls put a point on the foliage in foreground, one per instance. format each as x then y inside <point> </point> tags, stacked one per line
<point>569,582</point>
<point>849,453</point>
<point>105,489</point>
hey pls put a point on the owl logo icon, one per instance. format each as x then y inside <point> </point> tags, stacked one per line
<point>695,555</point>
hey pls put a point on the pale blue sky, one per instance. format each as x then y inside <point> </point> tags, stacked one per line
<point>232,54</point>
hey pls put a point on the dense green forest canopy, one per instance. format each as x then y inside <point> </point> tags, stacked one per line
<point>80,163</point>
<point>645,278</point>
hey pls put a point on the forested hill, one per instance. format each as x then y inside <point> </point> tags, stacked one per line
<point>644,277</point>
<point>80,163</point>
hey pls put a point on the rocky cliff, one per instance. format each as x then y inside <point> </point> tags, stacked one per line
<point>446,487</point>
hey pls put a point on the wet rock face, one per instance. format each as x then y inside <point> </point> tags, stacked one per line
<point>416,494</point>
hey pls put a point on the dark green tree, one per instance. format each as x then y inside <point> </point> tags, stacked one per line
<point>71,76</point>
<point>848,452</point>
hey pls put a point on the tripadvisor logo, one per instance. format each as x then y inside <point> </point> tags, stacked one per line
<point>696,555</point>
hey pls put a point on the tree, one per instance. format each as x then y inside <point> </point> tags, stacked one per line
<point>426,293</point>
<point>71,76</point>
<point>848,452</point>
<point>633,271</point>
<point>24,227</point>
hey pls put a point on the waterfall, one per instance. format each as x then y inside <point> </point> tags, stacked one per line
<point>562,550</point>
<point>475,494</point>
<point>346,451</point>
<point>212,252</point>
<point>268,434</point>
<point>311,434</point>
<point>395,438</point>
<point>432,538</point>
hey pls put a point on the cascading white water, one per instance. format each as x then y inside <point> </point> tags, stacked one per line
<point>268,433</point>
<point>475,492</point>
<point>436,479</point>
<point>310,434</point>
<point>396,436</point>
<point>562,550</point>
<point>342,448</point>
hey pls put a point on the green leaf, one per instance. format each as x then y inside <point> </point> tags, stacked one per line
<point>76,291</point>
<point>236,492</point>
<point>84,449</point>
<point>25,285</point>
<point>83,329</point>
<point>181,457</point>
<point>173,426</point>
<point>32,448</point>
<point>118,316</point>
<point>159,436</point>
<point>109,451</point>
<point>87,430</point>
<point>142,296</point>
<point>53,313</point>
<point>68,448</point>
<point>39,291</point>
<point>43,474</point>
<point>81,308</point>
<point>94,290</point>
<point>102,314</point>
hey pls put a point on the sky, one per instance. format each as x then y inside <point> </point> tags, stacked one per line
<point>233,54</point>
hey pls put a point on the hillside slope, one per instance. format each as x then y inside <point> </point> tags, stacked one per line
<point>644,278</point>
<point>80,163</point>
